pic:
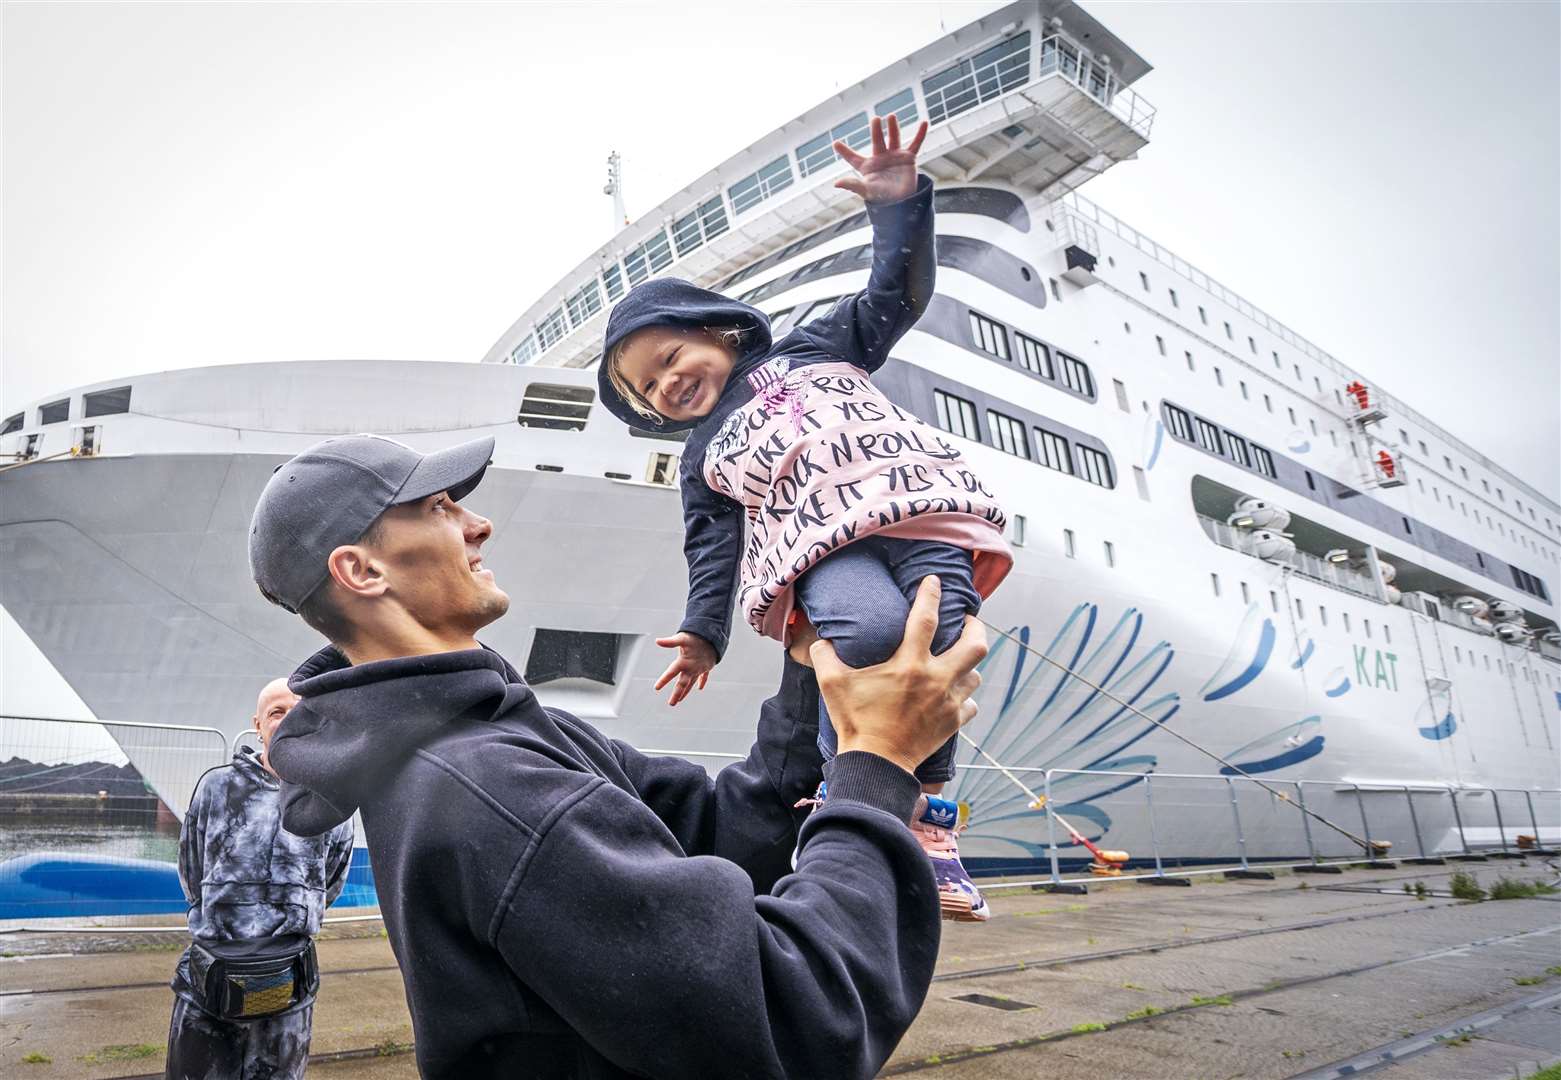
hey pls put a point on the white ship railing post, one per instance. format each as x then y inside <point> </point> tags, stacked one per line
<point>1414,821</point>
<point>1463,839</point>
<point>1051,828</point>
<point>1501,828</point>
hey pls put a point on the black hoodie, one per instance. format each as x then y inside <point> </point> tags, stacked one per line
<point>860,330</point>
<point>562,905</point>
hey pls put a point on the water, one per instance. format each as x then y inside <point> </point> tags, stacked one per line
<point>143,839</point>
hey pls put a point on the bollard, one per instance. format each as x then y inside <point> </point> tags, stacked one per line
<point>1313,867</point>
<point>1246,870</point>
<point>1414,821</point>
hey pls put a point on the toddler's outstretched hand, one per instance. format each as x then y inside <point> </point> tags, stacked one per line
<point>695,658</point>
<point>889,175</point>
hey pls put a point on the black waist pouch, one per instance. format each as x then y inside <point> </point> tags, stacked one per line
<point>253,978</point>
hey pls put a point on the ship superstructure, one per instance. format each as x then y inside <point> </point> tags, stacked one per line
<point>1213,519</point>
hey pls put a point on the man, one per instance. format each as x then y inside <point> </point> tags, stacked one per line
<point>560,904</point>
<point>244,989</point>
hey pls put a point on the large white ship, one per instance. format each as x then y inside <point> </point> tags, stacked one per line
<point>1214,520</point>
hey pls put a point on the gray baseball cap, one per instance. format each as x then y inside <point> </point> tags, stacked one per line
<point>331,493</point>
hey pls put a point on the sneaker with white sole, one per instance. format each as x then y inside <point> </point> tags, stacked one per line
<point>936,824</point>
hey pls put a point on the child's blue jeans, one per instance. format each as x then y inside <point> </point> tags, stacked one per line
<point>858,599</point>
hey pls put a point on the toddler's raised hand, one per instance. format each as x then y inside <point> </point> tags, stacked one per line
<point>889,175</point>
<point>695,658</point>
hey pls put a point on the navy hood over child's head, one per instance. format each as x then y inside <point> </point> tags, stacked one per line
<point>671,348</point>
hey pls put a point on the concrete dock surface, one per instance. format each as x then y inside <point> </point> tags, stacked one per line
<point>1301,976</point>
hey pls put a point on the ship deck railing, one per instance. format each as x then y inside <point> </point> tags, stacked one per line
<point>1303,563</point>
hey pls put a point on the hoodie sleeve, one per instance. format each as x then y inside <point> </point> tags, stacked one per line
<point>670,965</point>
<point>712,544</point>
<point>746,813</point>
<point>338,859</point>
<point>192,844</point>
<point>861,329</point>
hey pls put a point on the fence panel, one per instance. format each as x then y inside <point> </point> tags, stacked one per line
<point>84,833</point>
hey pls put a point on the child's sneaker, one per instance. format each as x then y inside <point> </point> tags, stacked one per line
<point>935,825</point>
<point>812,804</point>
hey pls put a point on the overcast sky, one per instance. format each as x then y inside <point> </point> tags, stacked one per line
<point>198,184</point>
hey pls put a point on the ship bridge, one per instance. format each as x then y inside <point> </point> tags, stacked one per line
<point>1035,96</point>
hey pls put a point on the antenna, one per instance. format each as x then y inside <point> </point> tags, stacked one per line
<point>614,187</point>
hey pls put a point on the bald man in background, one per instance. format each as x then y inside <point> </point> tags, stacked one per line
<point>244,989</point>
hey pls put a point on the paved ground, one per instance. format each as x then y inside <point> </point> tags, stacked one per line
<point>1311,977</point>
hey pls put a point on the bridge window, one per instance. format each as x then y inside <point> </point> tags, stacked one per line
<point>612,278</point>
<point>12,423</point>
<point>1035,357</point>
<point>522,353</point>
<point>551,329</point>
<point>1053,451</point>
<point>703,223</point>
<point>956,415</point>
<point>584,303</point>
<point>556,407</point>
<point>760,184</point>
<point>982,77</point>
<point>106,402</point>
<point>819,152</point>
<point>901,106</point>
<point>1075,374</point>
<point>1209,437</point>
<point>1095,467</point>
<point>54,412</point>
<point>643,260</point>
<point>991,337</point>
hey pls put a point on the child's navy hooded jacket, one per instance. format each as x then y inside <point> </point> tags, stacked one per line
<point>561,905</point>
<point>859,330</point>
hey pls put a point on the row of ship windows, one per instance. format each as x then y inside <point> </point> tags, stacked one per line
<point>958,416</point>
<point>1405,441</point>
<point>1070,542</point>
<point>964,85</point>
<point>1035,356</point>
<point>1226,443</point>
<point>97,403</point>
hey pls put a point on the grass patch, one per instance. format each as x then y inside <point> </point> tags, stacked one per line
<point>1464,887</point>
<point>35,1058</point>
<point>122,1052</point>
<point>390,1047</point>
<point>1551,1073</point>
<point>1510,889</point>
<point>1553,970</point>
<point>1146,1011</point>
<point>1462,1038</point>
<point>1222,999</point>
<point>1131,986</point>
<point>1529,980</point>
<point>1084,1029</point>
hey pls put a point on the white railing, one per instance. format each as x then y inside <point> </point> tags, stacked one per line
<point>1059,55</point>
<point>1304,563</point>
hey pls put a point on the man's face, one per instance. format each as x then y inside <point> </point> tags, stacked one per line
<point>275,702</point>
<point>430,552</point>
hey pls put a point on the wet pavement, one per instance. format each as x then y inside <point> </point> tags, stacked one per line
<point>1300,976</point>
